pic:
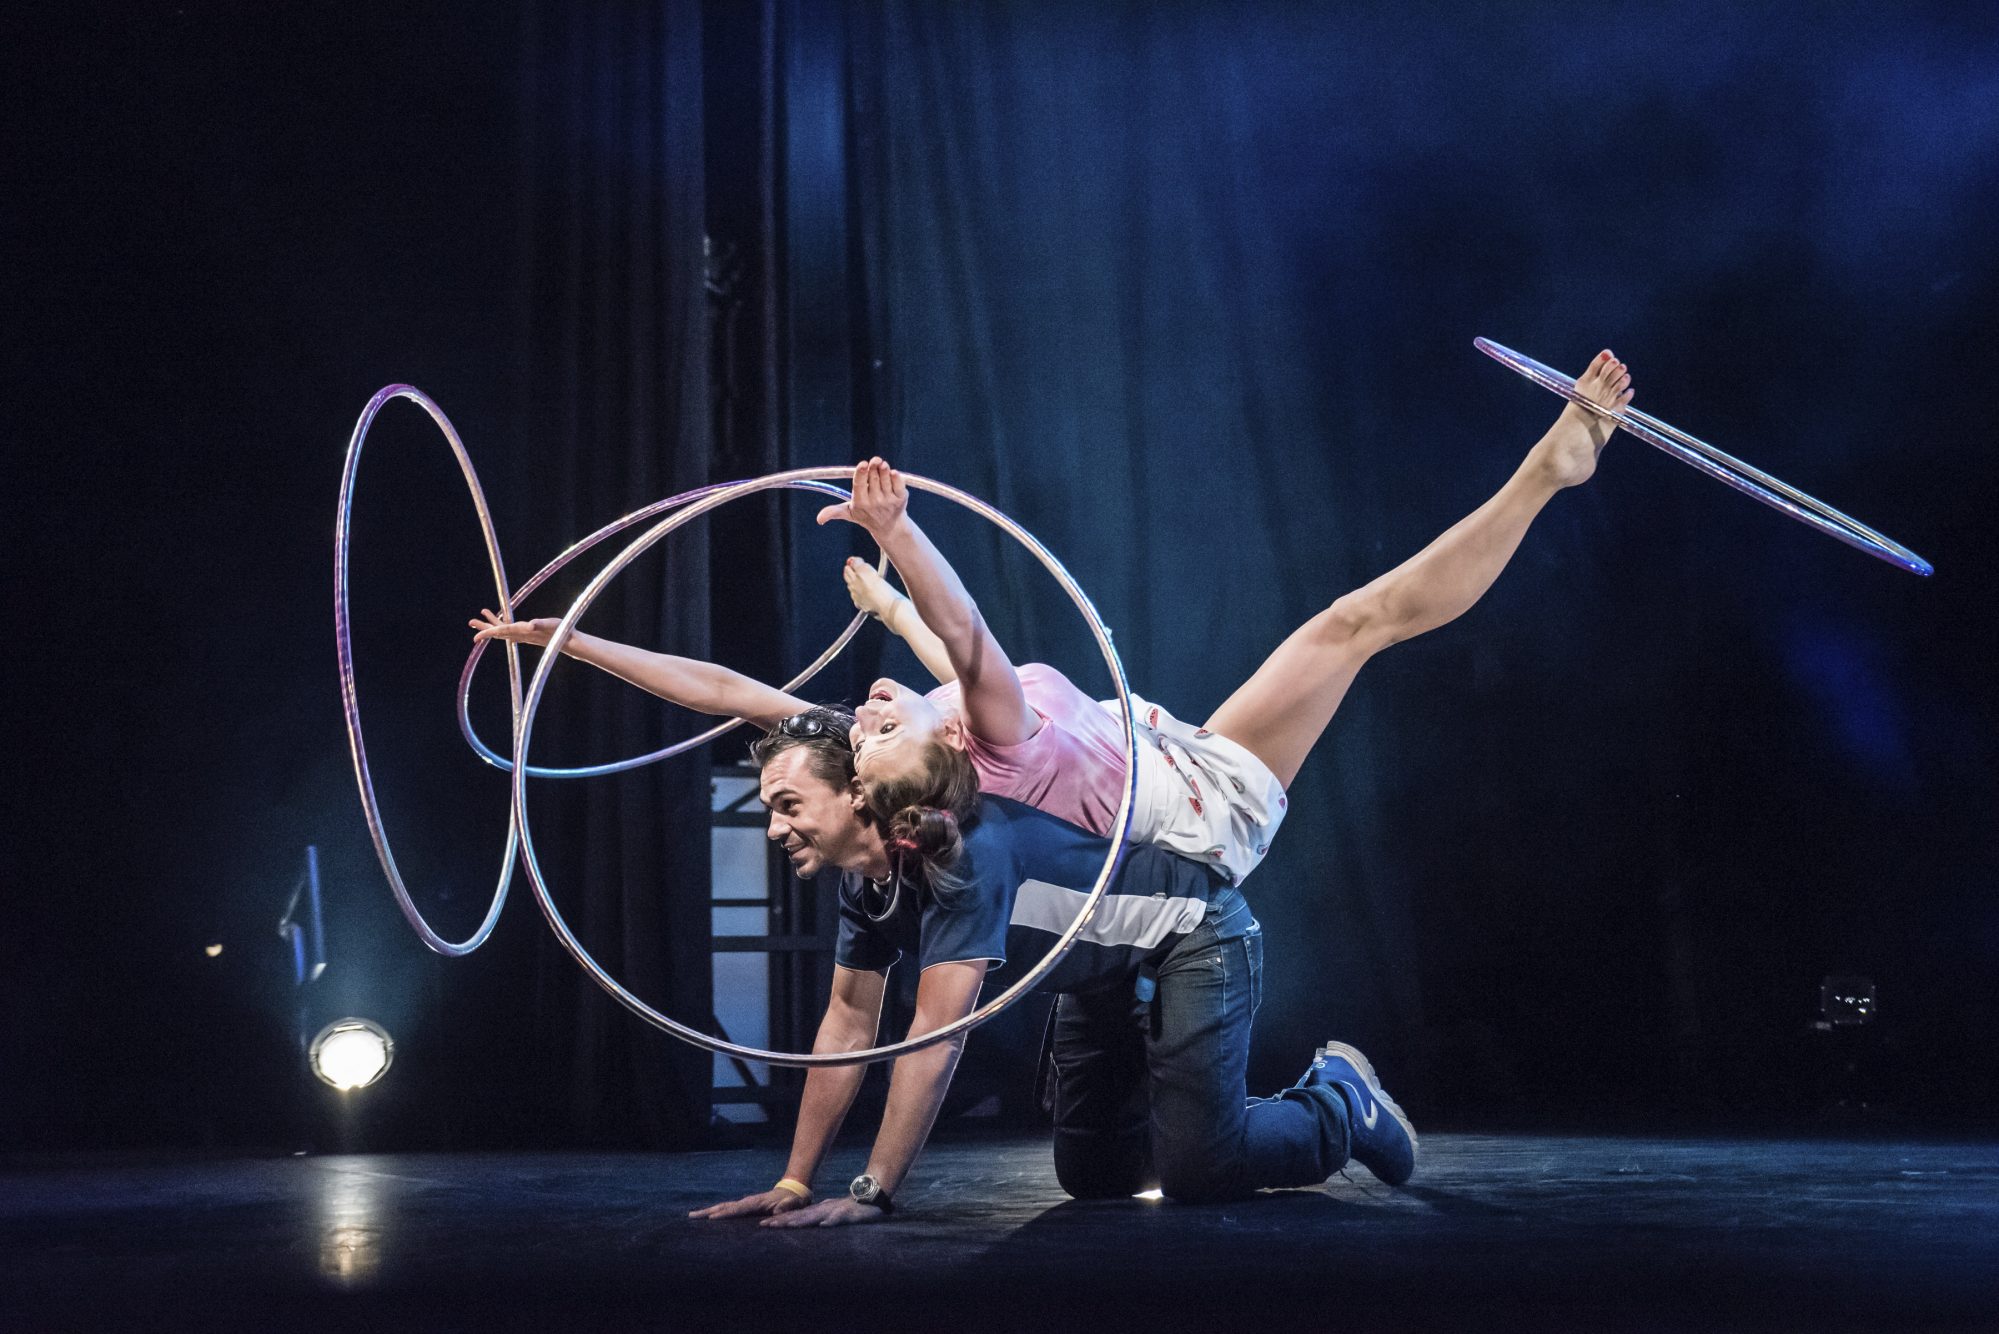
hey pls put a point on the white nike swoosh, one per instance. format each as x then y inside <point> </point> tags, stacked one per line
<point>1373,1114</point>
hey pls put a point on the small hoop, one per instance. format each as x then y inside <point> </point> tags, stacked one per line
<point>1725,468</point>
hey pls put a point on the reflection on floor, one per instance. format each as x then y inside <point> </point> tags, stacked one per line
<point>1557,1233</point>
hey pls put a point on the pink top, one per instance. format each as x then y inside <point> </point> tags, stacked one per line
<point>1073,767</point>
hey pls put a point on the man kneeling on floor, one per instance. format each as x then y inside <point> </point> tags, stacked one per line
<point>1153,1012</point>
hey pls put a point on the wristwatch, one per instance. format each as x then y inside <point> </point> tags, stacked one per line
<point>867,1190</point>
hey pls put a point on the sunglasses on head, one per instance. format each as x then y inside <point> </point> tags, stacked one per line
<point>810,725</point>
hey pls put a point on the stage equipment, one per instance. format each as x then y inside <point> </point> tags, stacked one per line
<point>683,508</point>
<point>1847,1050</point>
<point>303,929</point>
<point>1778,495</point>
<point>1845,1002</point>
<point>351,1053</point>
<point>303,926</point>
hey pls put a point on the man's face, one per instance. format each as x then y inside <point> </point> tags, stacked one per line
<point>816,823</point>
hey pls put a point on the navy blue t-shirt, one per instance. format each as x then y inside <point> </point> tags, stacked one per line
<point>1024,876</point>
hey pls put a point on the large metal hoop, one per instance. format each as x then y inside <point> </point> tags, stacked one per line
<point>350,696</point>
<point>350,701</point>
<point>1726,468</point>
<point>549,571</point>
<point>524,731</point>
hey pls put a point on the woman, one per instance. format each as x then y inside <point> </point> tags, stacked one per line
<point>1216,792</point>
<point>1213,792</point>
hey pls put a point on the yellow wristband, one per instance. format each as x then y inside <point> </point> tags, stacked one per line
<point>795,1187</point>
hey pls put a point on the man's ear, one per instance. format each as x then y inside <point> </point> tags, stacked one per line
<point>857,796</point>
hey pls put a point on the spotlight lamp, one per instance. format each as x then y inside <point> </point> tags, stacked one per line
<point>351,1053</point>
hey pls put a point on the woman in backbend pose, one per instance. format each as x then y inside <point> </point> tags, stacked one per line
<point>1214,793</point>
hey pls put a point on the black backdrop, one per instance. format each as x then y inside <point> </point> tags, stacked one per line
<point>1189,290</point>
<point>241,223</point>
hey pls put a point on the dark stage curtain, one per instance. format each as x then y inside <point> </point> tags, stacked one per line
<point>613,412</point>
<point>1077,312</point>
<point>1189,289</point>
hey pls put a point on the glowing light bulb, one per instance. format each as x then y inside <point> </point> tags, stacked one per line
<point>352,1053</point>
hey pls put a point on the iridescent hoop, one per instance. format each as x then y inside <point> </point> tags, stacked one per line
<point>1754,482</point>
<point>524,731</point>
<point>688,505</point>
<point>350,699</point>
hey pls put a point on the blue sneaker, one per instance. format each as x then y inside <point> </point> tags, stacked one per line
<point>1384,1144</point>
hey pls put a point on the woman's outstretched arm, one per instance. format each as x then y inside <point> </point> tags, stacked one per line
<point>996,709</point>
<point>688,682</point>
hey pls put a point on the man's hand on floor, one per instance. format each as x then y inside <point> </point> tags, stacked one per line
<point>773,1201</point>
<point>836,1212</point>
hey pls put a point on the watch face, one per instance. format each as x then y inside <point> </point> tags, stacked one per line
<point>865,1189</point>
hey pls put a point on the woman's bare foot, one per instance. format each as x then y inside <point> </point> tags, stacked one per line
<point>1570,448</point>
<point>871,593</point>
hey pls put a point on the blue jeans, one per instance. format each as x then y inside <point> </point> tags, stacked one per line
<point>1153,1094</point>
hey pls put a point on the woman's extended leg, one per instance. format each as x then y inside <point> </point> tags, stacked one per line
<point>1280,712</point>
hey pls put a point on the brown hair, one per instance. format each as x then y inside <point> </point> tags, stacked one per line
<point>823,730</point>
<point>924,813</point>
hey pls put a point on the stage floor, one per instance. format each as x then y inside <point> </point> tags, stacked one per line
<point>1506,1231</point>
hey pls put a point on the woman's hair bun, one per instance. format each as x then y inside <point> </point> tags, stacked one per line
<point>930,832</point>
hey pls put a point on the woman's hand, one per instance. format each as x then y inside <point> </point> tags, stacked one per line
<point>490,626</point>
<point>880,500</point>
<point>768,1203</point>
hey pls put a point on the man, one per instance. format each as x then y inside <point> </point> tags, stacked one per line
<point>1153,1018</point>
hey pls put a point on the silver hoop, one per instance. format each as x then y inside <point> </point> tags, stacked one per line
<point>524,731</point>
<point>1753,482</point>
<point>350,700</point>
<point>549,571</point>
